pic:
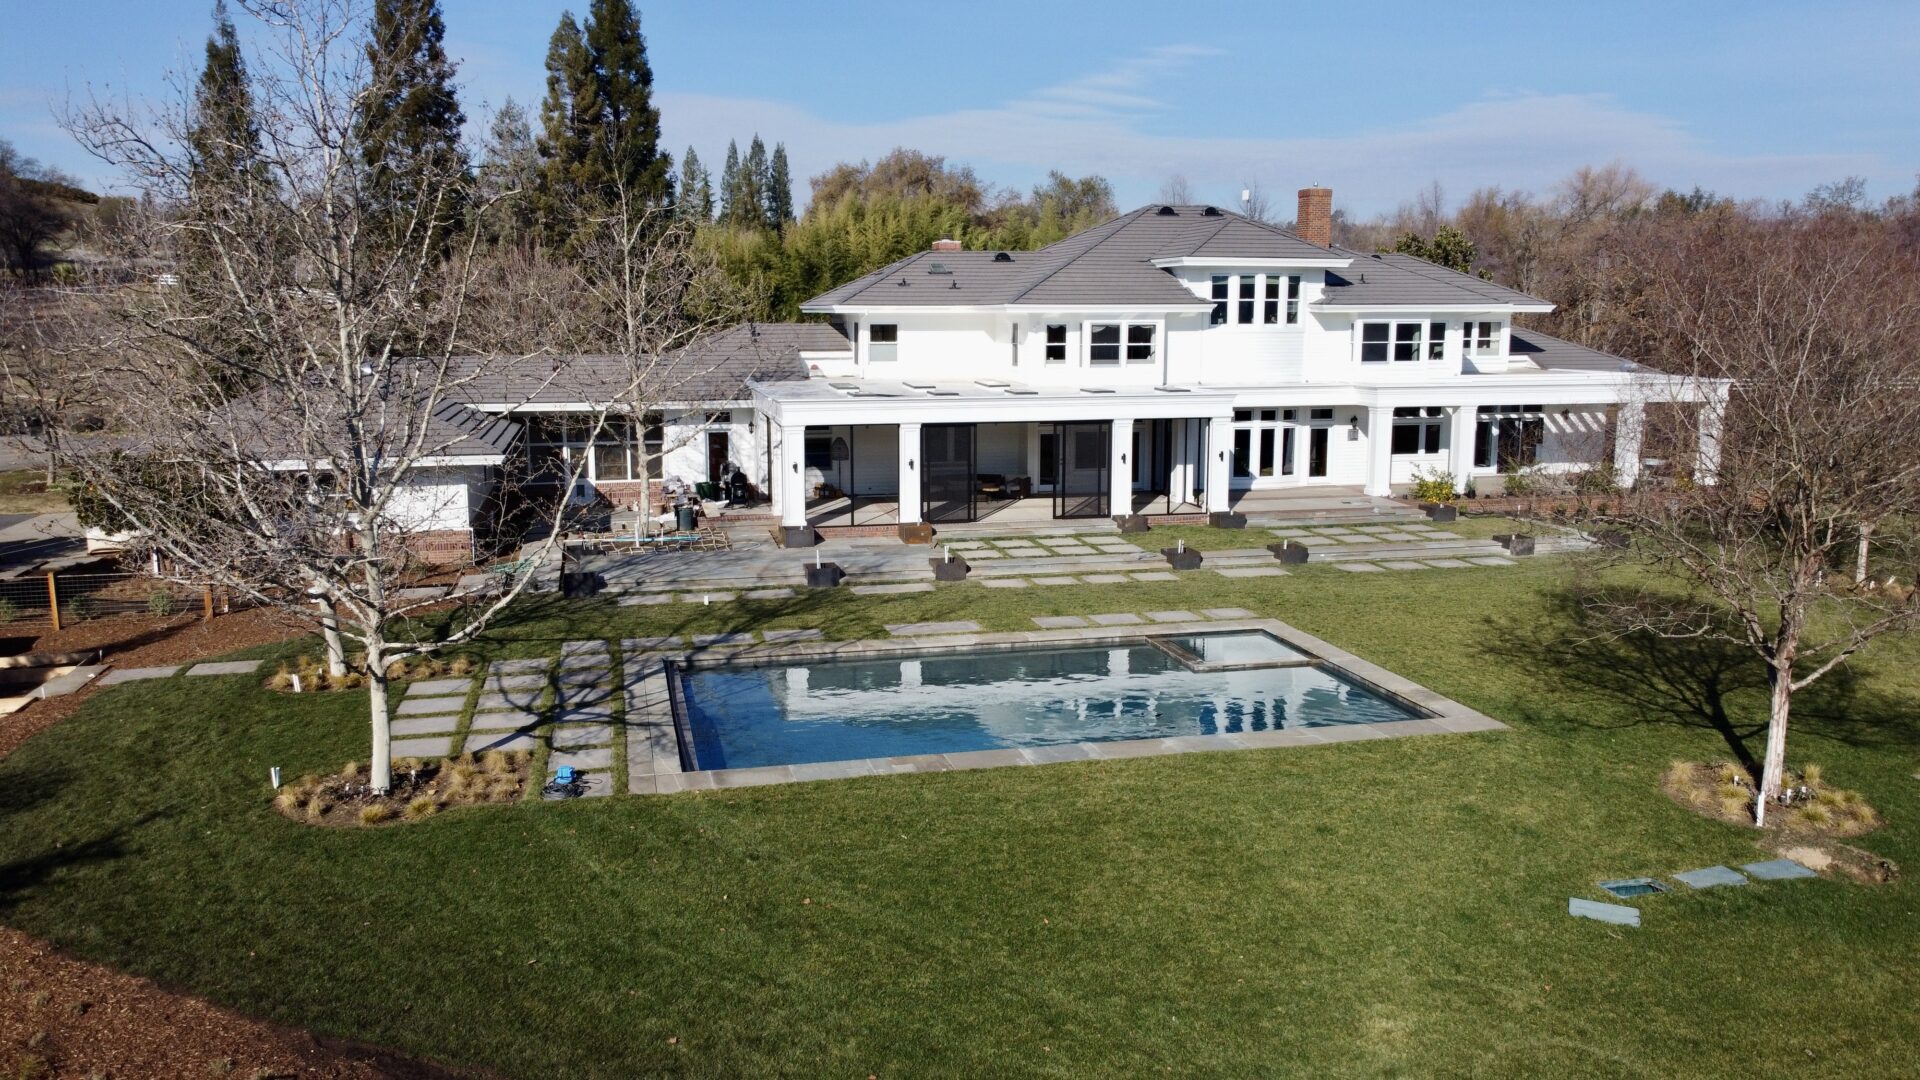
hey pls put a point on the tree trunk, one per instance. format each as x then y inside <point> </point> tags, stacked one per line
<point>1860,560</point>
<point>381,766</point>
<point>330,631</point>
<point>1780,679</point>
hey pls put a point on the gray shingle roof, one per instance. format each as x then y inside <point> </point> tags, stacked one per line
<point>1554,354</point>
<point>468,432</point>
<point>1109,264</point>
<point>1390,279</point>
<point>714,369</point>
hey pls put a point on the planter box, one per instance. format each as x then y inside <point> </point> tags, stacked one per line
<point>1515,543</point>
<point>1227,520</point>
<point>797,536</point>
<point>1291,552</point>
<point>825,576</point>
<point>1182,560</point>
<point>574,586</point>
<point>918,532</point>
<point>1132,523</point>
<point>1441,511</point>
<point>954,569</point>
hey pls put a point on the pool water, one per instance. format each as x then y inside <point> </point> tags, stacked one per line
<point>1237,647</point>
<point>740,716</point>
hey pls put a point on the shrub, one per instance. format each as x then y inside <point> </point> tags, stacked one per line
<point>375,813</point>
<point>424,806</point>
<point>1812,775</point>
<point>281,679</point>
<point>1814,814</point>
<point>9,611</point>
<point>497,762</point>
<point>160,603</point>
<point>1434,487</point>
<point>1518,483</point>
<point>350,771</point>
<point>460,665</point>
<point>82,607</point>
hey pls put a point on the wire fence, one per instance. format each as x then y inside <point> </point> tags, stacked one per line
<point>49,602</point>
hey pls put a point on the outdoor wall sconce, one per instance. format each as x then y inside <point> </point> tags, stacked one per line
<point>909,464</point>
<point>1123,459</point>
<point>796,466</point>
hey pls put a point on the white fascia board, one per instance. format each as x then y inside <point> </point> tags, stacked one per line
<point>1226,262</point>
<point>1012,409</point>
<point>1422,309</point>
<point>1012,309</point>
<point>427,462</point>
<point>810,354</point>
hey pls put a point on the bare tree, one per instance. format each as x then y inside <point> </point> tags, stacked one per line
<point>304,367</point>
<point>1812,321</point>
<point>1175,191</point>
<point>1256,203</point>
<point>45,389</point>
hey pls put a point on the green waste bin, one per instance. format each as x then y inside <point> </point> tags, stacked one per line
<point>687,518</point>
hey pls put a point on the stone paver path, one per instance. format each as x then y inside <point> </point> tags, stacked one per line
<point>1708,877</point>
<point>1058,622</point>
<point>226,667</point>
<point>1006,583</point>
<point>1491,560</point>
<point>433,687</point>
<point>891,590</point>
<point>1056,581</point>
<point>438,746</point>
<point>1155,575</point>
<point>1358,567</point>
<point>1250,571</point>
<point>1173,616</point>
<point>1226,613</point>
<point>644,599</point>
<point>423,725</point>
<point>136,674</point>
<point>431,706</point>
<point>743,637</point>
<point>774,637</point>
<point>957,626</point>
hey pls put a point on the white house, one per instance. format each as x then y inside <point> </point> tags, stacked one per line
<point>1176,360</point>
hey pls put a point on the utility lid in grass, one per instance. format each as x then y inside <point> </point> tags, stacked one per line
<point>1629,887</point>
<point>1709,876</point>
<point>1778,870</point>
<point>1617,914</point>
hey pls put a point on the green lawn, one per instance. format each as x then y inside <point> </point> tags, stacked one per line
<point>1392,907</point>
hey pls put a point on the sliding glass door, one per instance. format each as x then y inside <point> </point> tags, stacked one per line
<point>947,472</point>
<point>1085,457</point>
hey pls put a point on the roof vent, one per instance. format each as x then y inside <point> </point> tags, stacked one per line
<point>1001,256</point>
<point>939,268</point>
<point>902,283</point>
<point>953,284</point>
<point>1167,211</point>
<point>1211,211</point>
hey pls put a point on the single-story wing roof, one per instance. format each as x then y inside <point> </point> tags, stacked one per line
<point>1390,279</point>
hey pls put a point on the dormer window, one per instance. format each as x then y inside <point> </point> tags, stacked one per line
<point>883,343</point>
<point>1399,340</point>
<point>1482,338</point>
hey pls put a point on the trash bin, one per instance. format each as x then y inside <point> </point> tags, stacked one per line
<point>687,518</point>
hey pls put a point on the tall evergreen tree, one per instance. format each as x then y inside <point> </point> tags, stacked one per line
<point>623,150</point>
<point>730,185</point>
<point>779,192</point>
<point>409,129</point>
<point>696,189</point>
<point>510,174</point>
<point>562,143</point>
<point>753,184</point>
<point>224,140</point>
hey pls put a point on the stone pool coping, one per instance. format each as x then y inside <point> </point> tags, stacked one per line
<point>1444,716</point>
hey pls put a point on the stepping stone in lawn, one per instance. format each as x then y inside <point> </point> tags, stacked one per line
<point>226,667</point>
<point>1155,575</point>
<point>918,628</point>
<point>891,590</point>
<point>1226,613</point>
<point>1358,567</point>
<point>774,636</point>
<point>506,702</point>
<point>585,662</point>
<point>572,738</point>
<point>432,687</point>
<point>1173,616</point>
<point>645,599</point>
<point>135,674</point>
<point>1056,581</point>
<point>510,683</point>
<point>504,721</point>
<point>1448,564</point>
<point>520,667</point>
<point>1118,548</point>
<point>1403,564</point>
<point>982,553</point>
<point>582,760</point>
<point>423,725</point>
<point>1617,914</point>
<point>743,637</point>
<point>1778,870</point>
<point>499,740</point>
<point>1288,534</point>
<point>433,747</point>
<point>424,592</point>
<point>1121,619</point>
<point>1072,549</point>
<point>632,645</point>
<point>1708,877</point>
<point>1249,571</point>
<point>432,706</point>
<point>769,594</point>
<point>1491,560</point>
<point>705,597</point>
<point>1104,579</point>
<point>589,645</point>
<point>1058,622</point>
<point>1005,582</point>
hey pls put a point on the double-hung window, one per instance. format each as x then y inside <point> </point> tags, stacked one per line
<point>1436,341</point>
<point>883,343</point>
<point>1222,284</point>
<point>1247,287</point>
<point>1270,314</point>
<point>1140,343</point>
<point>1400,341</point>
<point>1103,344</point>
<point>1481,337</point>
<point>1417,430</point>
<point>1056,343</point>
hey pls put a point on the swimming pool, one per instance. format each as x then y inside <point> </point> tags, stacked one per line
<point>761,714</point>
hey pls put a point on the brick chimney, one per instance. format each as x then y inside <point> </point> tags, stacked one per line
<point>1314,222</point>
<point>946,245</point>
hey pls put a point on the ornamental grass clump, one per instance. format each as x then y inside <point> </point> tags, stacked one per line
<point>1809,803</point>
<point>421,789</point>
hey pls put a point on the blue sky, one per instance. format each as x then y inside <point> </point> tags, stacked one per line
<point>1755,99</point>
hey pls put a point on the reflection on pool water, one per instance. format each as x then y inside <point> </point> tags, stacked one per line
<point>743,716</point>
<point>1237,647</point>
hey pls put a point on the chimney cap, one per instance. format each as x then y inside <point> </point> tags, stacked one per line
<point>946,244</point>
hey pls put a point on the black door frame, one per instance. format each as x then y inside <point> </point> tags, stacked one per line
<point>956,488</point>
<point>1068,500</point>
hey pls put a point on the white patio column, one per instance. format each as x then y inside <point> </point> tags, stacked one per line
<point>1180,481</point>
<point>790,483</point>
<point>910,464</point>
<point>1120,470</point>
<point>1629,427</point>
<point>1379,450</point>
<point>1461,423</point>
<point>1219,445</point>
<point>1713,411</point>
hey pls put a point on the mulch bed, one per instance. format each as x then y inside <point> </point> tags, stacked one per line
<point>62,1017</point>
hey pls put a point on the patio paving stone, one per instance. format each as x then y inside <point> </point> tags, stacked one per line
<point>706,597</point>
<point>226,667</point>
<point>1118,619</point>
<point>508,683</point>
<point>1617,914</point>
<point>1173,616</point>
<point>584,661</point>
<point>957,626</point>
<point>1072,549</point>
<point>1250,571</point>
<point>432,706</point>
<point>1358,567</point>
<point>1005,582</point>
<point>520,667</point>
<point>1448,564</point>
<point>504,721</point>
<point>432,747</point>
<point>775,636</point>
<point>432,687</point>
<point>632,645</point>
<point>598,758</point>
<point>891,590</point>
<point>1491,560</point>
<point>769,594</point>
<point>1056,581</point>
<point>1708,877</point>
<point>1777,870</point>
<point>570,738</point>
<point>423,725</point>
<point>136,674</point>
<point>584,645</point>
<point>1104,579</point>
<point>1058,622</point>
<point>1403,564</point>
<point>644,599</point>
<point>498,740</point>
<point>742,637</point>
<point>506,702</point>
<point>1155,575</point>
<point>1226,613</point>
